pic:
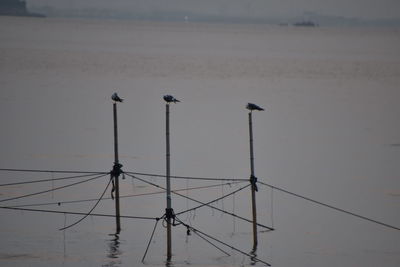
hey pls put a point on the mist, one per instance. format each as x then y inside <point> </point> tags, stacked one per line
<point>256,9</point>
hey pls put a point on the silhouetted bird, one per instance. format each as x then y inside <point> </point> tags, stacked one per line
<point>170,98</point>
<point>116,98</point>
<point>251,106</point>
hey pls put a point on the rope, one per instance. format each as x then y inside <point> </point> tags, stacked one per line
<point>212,201</point>
<point>209,242</point>
<point>187,177</point>
<point>222,200</point>
<point>226,212</point>
<point>94,206</point>
<point>331,207</point>
<point>81,213</point>
<point>272,207</point>
<point>151,238</point>
<point>106,198</point>
<point>202,203</point>
<point>47,171</point>
<point>223,243</point>
<point>52,185</point>
<point>233,211</point>
<point>187,200</point>
<point>50,190</point>
<point>48,180</point>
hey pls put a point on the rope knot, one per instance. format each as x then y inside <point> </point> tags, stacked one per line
<point>169,214</point>
<point>116,170</point>
<point>253,181</point>
<point>188,230</point>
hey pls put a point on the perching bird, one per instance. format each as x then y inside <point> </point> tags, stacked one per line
<point>251,107</point>
<point>116,98</point>
<point>170,98</point>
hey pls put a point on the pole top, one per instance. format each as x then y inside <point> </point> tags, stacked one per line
<point>251,107</point>
<point>116,98</point>
<point>170,98</point>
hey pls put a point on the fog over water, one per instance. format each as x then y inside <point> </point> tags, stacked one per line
<point>371,9</point>
<point>330,132</point>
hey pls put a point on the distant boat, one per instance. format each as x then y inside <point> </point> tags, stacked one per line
<point>306,23</point>
<point>16,8</point>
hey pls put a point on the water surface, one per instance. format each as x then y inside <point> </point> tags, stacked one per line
<point>330,132</point>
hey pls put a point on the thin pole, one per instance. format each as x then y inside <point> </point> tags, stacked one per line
<point>169,209</point>
<point>116,169</point>
<point>253,185</point>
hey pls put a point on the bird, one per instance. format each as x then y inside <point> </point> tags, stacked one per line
<point>116,98</point>
<point>170,98</point>
<point>251,107</point>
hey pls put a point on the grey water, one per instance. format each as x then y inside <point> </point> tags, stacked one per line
<point>330,132</point>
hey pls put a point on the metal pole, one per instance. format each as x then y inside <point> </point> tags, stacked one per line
<point>253,185</point>
<point>168,209</point>
<point>116,169</point>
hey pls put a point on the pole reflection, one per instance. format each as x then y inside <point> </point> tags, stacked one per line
<point>169,263</point>
<point>114,251</point>
<point>253,258</point>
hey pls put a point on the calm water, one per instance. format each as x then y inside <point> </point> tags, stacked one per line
<point>331,132</point>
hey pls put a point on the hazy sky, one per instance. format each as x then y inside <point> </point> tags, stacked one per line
<point>258,8</point>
